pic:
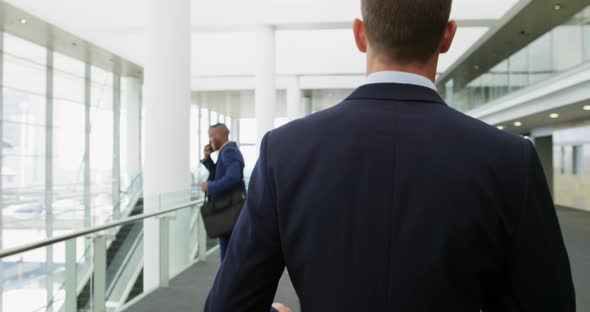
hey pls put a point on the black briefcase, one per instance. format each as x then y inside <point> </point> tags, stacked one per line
<point>220,216</point>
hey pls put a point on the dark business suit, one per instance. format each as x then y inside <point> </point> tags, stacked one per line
<point>392,201</point>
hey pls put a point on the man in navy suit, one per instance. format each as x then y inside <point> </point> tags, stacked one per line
<point>393,201</point>
<point>227,174</point>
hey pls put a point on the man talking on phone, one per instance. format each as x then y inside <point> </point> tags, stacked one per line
<point>227,174</point>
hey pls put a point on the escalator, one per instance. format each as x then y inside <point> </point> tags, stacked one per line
<point>117,254</point>
<point>137,287</point>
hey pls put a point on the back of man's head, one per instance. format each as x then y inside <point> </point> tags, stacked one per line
<point>405,31</point>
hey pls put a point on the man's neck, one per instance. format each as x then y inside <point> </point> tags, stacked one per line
<point>427,70</point>
<point>223,146</point>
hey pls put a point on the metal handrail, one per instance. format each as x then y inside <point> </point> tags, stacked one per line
<point>58,239</point>
<point>110,218</point>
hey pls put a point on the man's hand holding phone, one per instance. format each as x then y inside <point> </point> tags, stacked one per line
<point>207,151</point>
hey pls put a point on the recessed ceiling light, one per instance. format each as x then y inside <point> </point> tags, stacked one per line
<point>554,116</point>
<point>518,124</point>
<point>587,108</point>
<point>23,21</point>
<point>557,7</point>
<point>500,127</point>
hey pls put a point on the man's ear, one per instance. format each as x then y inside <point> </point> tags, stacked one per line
<point>448,36</point>
<point>360,37</point>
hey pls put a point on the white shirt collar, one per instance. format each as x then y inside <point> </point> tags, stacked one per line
<point>400,77</point>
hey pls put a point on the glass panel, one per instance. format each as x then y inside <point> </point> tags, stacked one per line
<point>101,145</point>
<point>474,93</point>
<point>24,275</point>
<point>500,79</point>
<point>24,107</point>
<point>68,134</point>
<point>68,87</point>
<point>567,47</point>
<point>123,146</point>
<point>519,76</point>
<point>23,75</point>
<point>24,49</point>
<point>68,144</point>
<point>540,59</point>
<point>101,77</point>
<point>101,162</point>
<point>66,64</point>
<point>102,96</point>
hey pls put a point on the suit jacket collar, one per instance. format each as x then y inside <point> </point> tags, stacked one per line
<point>396,92</point>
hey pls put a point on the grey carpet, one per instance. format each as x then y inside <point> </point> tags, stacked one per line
<point>189,290</point>
<point>575,225</point>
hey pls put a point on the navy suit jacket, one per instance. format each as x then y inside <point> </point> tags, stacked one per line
<point>228,173</point>
<point>393,201</point>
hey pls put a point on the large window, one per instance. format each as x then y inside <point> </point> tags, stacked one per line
<point>43,161</point>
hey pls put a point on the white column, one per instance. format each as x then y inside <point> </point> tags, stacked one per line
<point>167,105</point>
<point>133,127</point>
<point>265,80</point>
<point>294,102</point>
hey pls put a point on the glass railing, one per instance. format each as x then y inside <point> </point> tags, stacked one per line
<point>83,271</point>
<point>85,281</point>
<point>63,221</point>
